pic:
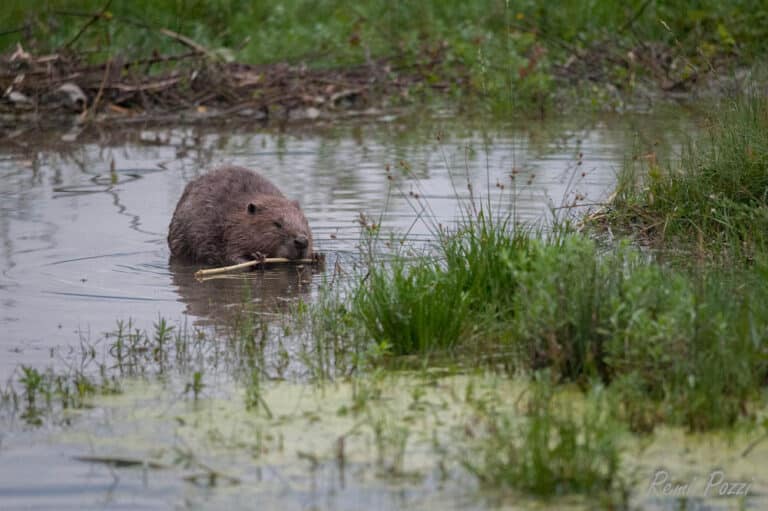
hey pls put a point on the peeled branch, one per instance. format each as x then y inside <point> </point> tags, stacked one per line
<point>201,274</point>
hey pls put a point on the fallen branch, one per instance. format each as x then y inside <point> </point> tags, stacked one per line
<point>95,104</point>
<point>186,41</point>
<point>199,274</point>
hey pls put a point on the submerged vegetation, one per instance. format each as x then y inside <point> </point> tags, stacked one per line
<point>556,451</point>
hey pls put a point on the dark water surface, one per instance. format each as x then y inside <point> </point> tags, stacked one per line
<point>82,245</point>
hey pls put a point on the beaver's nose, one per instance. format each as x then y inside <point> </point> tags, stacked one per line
<point>301,242</point>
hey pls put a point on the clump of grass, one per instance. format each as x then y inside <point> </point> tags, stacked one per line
<point>554,450</point>
<point>716,197</point>
<point>418,305</point>
<point>483,255</point>
<point>562,306</point>
<point>412,307</point>
<point>44,392</point>
<point>196,386</point>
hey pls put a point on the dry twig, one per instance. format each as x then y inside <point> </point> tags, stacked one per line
<point>200,274</point>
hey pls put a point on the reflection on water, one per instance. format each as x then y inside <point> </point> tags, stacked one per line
<point>83,225</point>
<point>269,290</point>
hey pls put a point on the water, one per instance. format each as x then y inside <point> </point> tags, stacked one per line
<point>82,245</point>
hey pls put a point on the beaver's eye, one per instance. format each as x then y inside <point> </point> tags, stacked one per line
<point>279,225</point>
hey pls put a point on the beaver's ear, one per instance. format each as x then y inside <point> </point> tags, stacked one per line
<point>253,208</point>
<point>296,203</point>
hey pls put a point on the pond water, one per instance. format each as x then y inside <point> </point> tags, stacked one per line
<point>83,221</point>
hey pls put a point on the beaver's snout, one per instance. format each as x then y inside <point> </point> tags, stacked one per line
<point>301,242</point>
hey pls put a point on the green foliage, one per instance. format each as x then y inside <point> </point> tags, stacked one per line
<point>692,343</point>
<point>46,390</point>
<point>196,386</point>
<point>562,305</point>
<point>483,256</point>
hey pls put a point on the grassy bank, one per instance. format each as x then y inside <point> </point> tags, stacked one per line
<point>677,346</point>
<point>713,199</point>
<point>513,53</point>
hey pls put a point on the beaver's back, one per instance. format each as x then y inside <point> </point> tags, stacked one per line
<point>225,184</point>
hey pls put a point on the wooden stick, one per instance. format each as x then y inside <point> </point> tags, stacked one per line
<point>96,100</point>
<point>189,43</point>
<point>199,274</point>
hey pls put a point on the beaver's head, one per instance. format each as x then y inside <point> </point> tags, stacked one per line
<point>268,224</point>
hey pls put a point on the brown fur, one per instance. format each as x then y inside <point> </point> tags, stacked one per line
<point>232,215</point>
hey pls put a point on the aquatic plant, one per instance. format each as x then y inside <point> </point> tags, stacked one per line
<point>195,386</point>
<point>553,450</point>
<point>483,254</point>
<point>330,335</point>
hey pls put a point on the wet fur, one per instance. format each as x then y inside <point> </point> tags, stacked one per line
<point>232,214</point>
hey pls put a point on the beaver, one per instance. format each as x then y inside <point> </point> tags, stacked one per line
<point>232,215</point>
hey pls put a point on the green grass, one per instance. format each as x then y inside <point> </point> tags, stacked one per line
<point>43,392</point>
<point>412,307</point>
<point>715,197</point>
<point>331,344</point>
<point>694,344</point>
<point>483,255</point>
<point>504,51</point>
